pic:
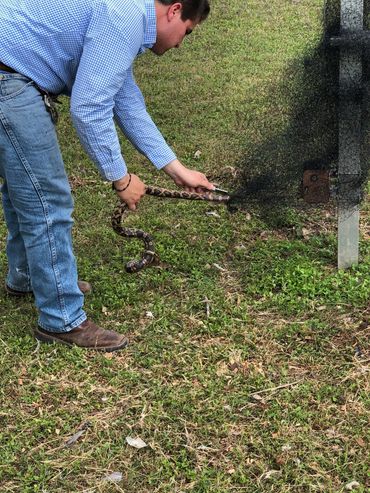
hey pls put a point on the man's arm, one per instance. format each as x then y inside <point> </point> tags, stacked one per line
<point>131,115</point>
<point>135,122</point>
<point>110,46</point>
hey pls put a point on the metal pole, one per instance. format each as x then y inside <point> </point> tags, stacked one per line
<point>350,136</point>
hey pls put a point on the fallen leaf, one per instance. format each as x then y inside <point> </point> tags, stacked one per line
<point>108,355</point>
<point>234,367</point>
<point>114,477</point>
<point>74,438</point>
<point>222,369</point>
<point>352,485</point>
<point>202,447</point>
<point>361,442</point>
<point>269,474</point>
<point>235,357</point>
<point>212,213</point>
<point>280,460</point>
<point>331,433</point>
<point>286,447</point>
<point>136,442</point>
<point>257,397</point>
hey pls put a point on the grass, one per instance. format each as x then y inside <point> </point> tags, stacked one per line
<point>249,363</point>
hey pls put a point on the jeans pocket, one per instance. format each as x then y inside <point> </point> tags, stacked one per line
<point>12,86</point>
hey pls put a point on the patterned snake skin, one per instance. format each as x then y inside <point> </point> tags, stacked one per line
<point>149,254</point>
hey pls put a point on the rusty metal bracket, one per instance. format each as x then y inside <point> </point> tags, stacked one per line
<point>316,186</point>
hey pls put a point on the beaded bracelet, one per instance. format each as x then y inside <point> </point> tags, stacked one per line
<point>124,188</point>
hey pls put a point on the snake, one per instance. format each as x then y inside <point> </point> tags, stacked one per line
<point>148,255</point>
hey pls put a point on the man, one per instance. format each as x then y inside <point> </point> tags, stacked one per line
<point>84,49</point>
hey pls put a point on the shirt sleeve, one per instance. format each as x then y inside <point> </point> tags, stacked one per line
<point>135,122</point>
<point>111,43</point>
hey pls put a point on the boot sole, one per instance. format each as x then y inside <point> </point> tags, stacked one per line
<point>50,339</point>
<point>17,294</point>
<point>21,294</point>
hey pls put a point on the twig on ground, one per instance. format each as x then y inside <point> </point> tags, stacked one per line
<point>37,349</point>
<point>272,389</point>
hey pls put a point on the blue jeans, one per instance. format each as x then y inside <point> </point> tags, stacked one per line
<point>37,206</point>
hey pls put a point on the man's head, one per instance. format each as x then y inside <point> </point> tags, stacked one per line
<point>176,19</point>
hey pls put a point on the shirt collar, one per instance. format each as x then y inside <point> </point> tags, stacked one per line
<point>150,34</point>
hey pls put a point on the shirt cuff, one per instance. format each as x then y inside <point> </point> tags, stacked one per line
<point>114,171</point>
<point>160,160</point>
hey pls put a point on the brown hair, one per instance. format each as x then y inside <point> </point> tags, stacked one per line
<point>196,10</point>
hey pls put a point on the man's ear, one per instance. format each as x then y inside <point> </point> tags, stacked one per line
<point>174,10</point>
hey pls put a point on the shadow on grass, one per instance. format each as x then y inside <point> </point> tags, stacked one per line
<point>271,175</point>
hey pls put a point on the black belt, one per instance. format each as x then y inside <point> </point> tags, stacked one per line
<point>7,69</point>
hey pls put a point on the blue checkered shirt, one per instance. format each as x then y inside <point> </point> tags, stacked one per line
<point>85,49</point>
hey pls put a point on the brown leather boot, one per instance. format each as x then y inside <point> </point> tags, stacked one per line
<point>84,286</point>
<point>87,335</point>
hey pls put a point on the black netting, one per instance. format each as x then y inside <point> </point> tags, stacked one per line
<point>272,173</point>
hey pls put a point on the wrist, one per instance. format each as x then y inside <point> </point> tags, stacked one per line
<point>173,168</point>
<point>122,184</point>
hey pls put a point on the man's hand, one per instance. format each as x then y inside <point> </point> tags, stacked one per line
<point>189,179</point>
<point>134,191</point>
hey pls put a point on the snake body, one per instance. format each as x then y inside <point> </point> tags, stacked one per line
<point>149,254</point>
